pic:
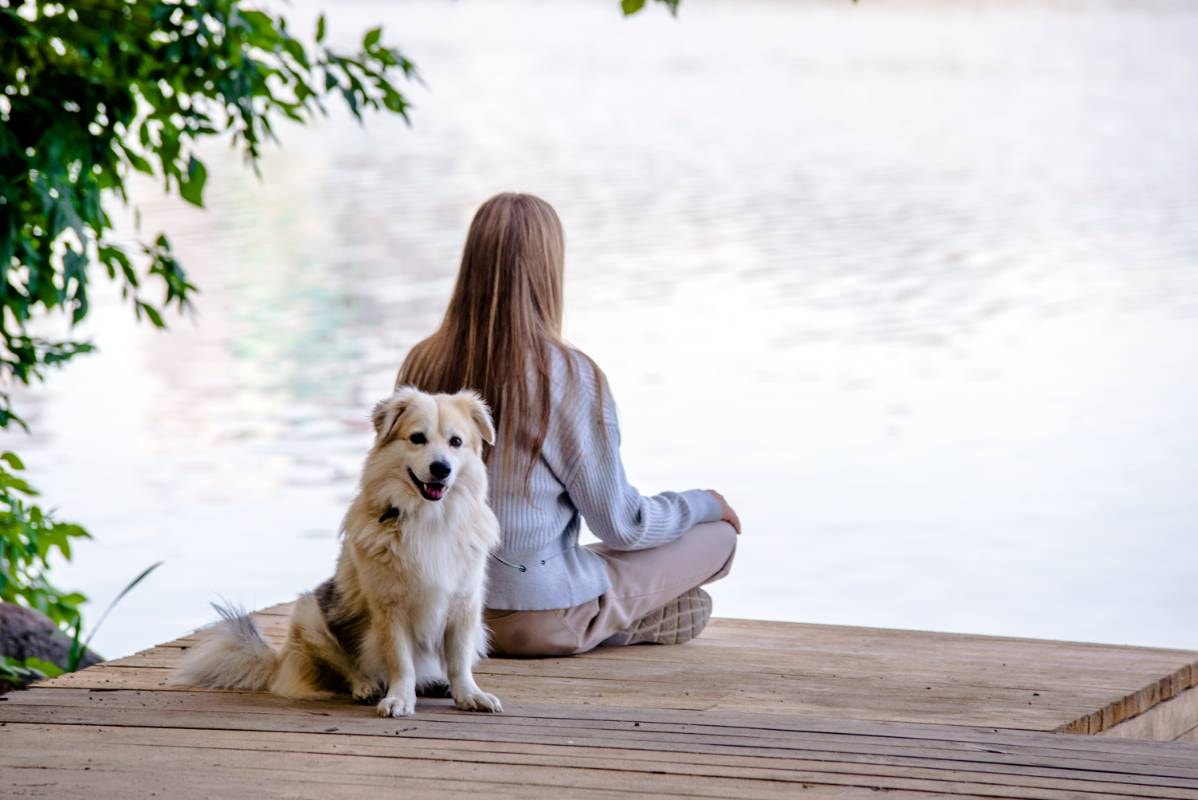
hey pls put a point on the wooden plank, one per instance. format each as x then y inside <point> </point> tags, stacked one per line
<point>232,705</point>
<point>1165,721</point>
<point>769,644</point>
<point>706,732</point>
<point>602,664</point>
<point>374,729</point>
<point>865,673</point>
<point>555,766</point>
<point>769,694</point>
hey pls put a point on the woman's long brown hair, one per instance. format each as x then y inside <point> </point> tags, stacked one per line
<point>503,318</point>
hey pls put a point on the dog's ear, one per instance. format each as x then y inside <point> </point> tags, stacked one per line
<point>387,413</point>
<point>479,412</point>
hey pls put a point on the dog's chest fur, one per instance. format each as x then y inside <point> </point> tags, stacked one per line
<point>424,556</point>
<point>416,566</point>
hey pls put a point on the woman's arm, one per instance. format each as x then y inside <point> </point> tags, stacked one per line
<point>593,473</point>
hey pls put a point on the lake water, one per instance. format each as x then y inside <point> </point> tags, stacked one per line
<point>915,284</point>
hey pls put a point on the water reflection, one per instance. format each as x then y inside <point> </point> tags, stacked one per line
<point>915,285</point>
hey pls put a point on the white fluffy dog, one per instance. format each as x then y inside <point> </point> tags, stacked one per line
<point>404,609</point>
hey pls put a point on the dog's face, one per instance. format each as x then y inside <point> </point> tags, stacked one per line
<point>430,442</point>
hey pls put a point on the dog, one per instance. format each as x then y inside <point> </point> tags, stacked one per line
<point>404,609</point>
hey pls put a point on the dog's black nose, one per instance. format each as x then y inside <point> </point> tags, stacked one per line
<point>439,469</point>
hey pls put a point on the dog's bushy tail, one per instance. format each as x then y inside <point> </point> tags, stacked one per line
<point>232,654</point>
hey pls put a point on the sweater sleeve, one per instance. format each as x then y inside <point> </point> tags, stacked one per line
<point>593,474</point>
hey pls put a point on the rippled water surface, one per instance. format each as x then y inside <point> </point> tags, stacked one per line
<point>914,283</point>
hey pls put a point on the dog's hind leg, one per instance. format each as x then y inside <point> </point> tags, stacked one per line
<point>465,639</point>
<point>325,645</point>
<point>301,674</point>
<point>340,628</point>
<point>298,677</point>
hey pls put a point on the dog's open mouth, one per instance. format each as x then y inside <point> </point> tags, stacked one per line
<point>429,491</point>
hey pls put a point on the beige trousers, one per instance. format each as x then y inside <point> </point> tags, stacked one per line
<point>642,581</point>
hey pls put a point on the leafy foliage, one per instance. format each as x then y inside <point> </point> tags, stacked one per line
<point>95,90</point>
<point>29,537</point>
<point>16,673</point>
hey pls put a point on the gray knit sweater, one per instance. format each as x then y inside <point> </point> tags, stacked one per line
<point>540,564</point>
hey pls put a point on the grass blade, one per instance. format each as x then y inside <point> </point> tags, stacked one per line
<point>132,584</point>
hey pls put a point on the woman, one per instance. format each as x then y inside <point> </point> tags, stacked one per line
<point>557,456</point>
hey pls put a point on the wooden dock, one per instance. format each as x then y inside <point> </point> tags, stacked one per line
<point>750,709</point>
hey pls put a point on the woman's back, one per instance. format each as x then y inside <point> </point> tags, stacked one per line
<point>538,564</point>
<point>578,473</point>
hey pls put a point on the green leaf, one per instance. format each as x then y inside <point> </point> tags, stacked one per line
<point>25,671</point>
<point>261,23</point>
<point>631,6</point>
<point>47,668</point>
<point>136,161</point>
<point>296,50</point>
<point>372,38</point>
<point>320,29</point>
<point>192,189</point>
<point>12,459</point>
<point>153,313</point>
<point>20,486</point>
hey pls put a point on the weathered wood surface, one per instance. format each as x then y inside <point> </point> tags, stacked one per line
<point>821,670</point>
<point>750,709</point>
<point>1172,720</point>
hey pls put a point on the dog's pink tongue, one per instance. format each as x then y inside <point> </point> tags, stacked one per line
<point>435,492</point>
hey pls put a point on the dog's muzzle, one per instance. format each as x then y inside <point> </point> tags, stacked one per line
<point>429,490</point>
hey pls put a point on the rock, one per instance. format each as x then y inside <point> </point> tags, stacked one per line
<point>25,633</point>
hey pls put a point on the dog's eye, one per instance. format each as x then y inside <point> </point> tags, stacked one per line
<point>418,438</point>
<point>455,441</point>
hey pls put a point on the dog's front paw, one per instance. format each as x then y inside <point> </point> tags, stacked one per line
<point>397,706</point>
<point>478,701</point>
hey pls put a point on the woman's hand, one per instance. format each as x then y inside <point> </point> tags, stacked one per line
<point>726,512</point>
